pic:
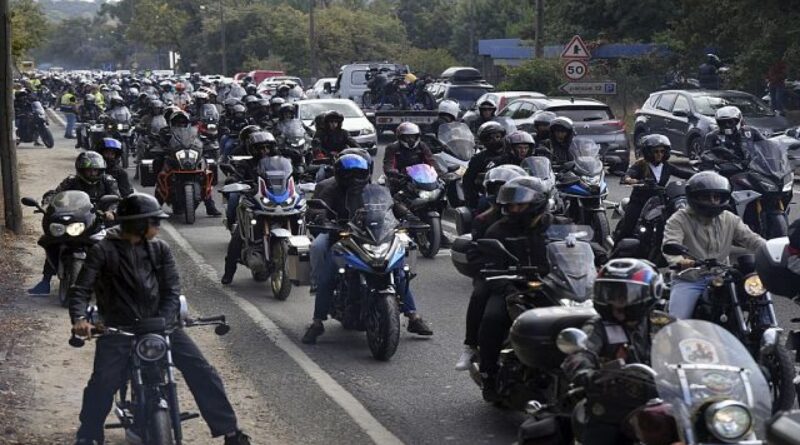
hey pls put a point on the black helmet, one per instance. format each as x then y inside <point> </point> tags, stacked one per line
<point>708,193</point>
<point>491,135</point>
<point>713,59</point>
<point>626,289</point>
<point>261,143</point>
<point>351,170</point>
<point>359,152</point>
<point>275,105</point>
<point>288,108</point>
<point>156,107</point>
<point>487,104</point>
<point>239,111</point>
<point>562,123</point>
<point>90,166</point>
<point>250,102</point>
<point>251,88</point>
<point>524,190</point>
<point>169,111</point>
<point>333,115</point>
<point>116,101</point>
<point>179,119</point>
<point>139,206</point>
<point>284,89</point>
<point>230,102</point>
<point>652,141</point>
<point>244,133</point>
<point>517,138</point>
<point>497,177</point>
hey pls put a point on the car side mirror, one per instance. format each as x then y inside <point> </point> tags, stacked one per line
<point>571,340</point>
<point>682,112</point>
<point>675,249</point>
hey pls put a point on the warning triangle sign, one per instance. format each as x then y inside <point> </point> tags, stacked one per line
<point>576,49</point>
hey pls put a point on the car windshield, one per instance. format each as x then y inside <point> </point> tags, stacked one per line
<point>748,105</point>
<point>587,114</point>
<point>770,159</point>
<point>465,96</point>
<point>310,110</point>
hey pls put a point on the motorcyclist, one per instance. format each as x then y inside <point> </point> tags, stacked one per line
<point>252,105</point>
<point>351,173</point>
<point>199,101</point>
<point>562,132</point>
<point>87,112</point>
<point>709,232</point>
<point>233,125</point>
<point>654,168</point>
<point>486,110</point>
<point>491,136</point>
<point>448,113</point>
<point>406,151</point>
<point>331,138</point>
<point>111,152</point>
<point>283,91</point>
<point>23,104</point>
<point>624,294</point>
<point>260,144</point>
<point>261,116</point>
<point>287,114</point>
<point>541,126</point>
<point>731,142</point>
<point>708,73</point>
<point>89,178</point>
<point>487,215</point>
<point>134,276</point>
<point>519,145</point>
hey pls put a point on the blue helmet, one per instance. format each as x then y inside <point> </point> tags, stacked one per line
<point>112,144</point>
<point>351,169</point>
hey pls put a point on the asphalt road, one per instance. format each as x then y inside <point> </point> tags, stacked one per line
<point>334,392</point>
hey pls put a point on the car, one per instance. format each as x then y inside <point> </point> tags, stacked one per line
<point>270,84</point>
<point>355,122</point>
<point>593,120</point>
<point>259,76</point>
<point>463,85</point>
<point>318,90</point>
<point>501,99</point>
<point>790,139</point>
<point>686,116</point>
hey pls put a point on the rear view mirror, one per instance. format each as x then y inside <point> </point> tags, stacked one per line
<point>782,428</point>
<point>494,249</point>
<point>682,112</point>
<point>571,340</point>
<point>30,202</point>
<point>675,249</point>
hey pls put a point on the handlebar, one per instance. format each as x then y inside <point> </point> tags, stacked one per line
<point>219,321</point>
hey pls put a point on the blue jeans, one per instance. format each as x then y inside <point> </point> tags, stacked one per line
<point>230,210</point>
<point>71,119</point>
<point>684,295</point>
<point>323,273</point>
<point>228,145</point>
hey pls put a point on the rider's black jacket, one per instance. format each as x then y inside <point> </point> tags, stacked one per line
<point>641,170</point>
<point>123,181</point>
<point>131,282</point>
<point>480,163</point>
<point>333,141</point>
<point>739,145</point>
<point>107,185</point>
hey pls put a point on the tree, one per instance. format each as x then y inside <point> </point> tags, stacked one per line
<point>473,20</point>
<point>28,27</point>
<point>159,24</point>
<point>613,20</point>
<point>428,61</point>
<point>542,75</point>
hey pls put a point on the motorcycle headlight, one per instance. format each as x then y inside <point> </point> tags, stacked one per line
<point>591,180</point>
<point>367,131</point>
<point>376,251</point>
<point>787,187</point>
<point>729,420</point>
<point>151,347</point>
<point>76,229</point>
<point>120,127</point>
<point>753,286</point>
<point>57,229</point>
<point>428,194</point>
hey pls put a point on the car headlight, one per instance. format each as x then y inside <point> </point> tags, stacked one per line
<point>729,420</point>
<point>376,251</point>
<point>428,194</point>
<point>76,229</point>
<point>367,131</point>
<point>151,347</point>
<point>753,286</point>
<point>57,229</point>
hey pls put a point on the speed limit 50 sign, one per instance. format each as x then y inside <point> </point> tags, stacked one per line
<point>575,69</point>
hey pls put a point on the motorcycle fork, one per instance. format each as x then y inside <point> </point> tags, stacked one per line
<point>741,323</point>
<point>172,396</point>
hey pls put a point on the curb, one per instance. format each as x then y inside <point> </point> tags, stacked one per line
<point>56,117</point>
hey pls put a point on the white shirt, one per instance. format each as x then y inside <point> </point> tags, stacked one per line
<point>656,169</point>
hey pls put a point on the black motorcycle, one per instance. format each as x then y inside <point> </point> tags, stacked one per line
<point>737,300</point>
<point>423,194</point>
<point>147,406</point>
<point>656,211</point>
<point>187,180</point>
<point>34,124</point>
<point>119,126</point>
<point>75,224</point>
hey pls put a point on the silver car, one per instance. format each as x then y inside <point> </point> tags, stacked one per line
<point>355,122</point>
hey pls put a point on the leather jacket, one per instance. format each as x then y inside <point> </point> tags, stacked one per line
<point>131,282</point>
<point>107,185</point>
<point>478,165</point>
<point>333,142</point>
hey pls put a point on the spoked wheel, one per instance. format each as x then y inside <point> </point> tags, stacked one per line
<point>383,326</point>
<point>780,366</point>
<point>189,206</point>
<point>279,280</point>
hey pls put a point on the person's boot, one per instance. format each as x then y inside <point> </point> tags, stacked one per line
<point>489,388</point>
<point>42,287</point>
<point>211,208</point>
<point>416,325</point>
<point>315,330</point>
<point>239,438</point>
<point>227,277</point>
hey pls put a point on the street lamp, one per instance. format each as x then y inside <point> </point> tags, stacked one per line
<point>224,53</point>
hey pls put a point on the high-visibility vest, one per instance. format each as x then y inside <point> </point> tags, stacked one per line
<point>68,102</point>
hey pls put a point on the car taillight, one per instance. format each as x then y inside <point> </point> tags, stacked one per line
<point>616,124</point>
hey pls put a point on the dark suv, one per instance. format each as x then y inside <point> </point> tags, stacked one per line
<point>592,119</point>
<point>463,85</point>
<point>686,116</point>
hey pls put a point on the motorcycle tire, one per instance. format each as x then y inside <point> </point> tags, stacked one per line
<point>383,326</point>
<point>780,365</point>
<point>601,228</point>
<point>71,275</point>
<point>189,206</point>
<point>279,280</point>
<point>160,428</point>
<point>431,240</point>
<point>47,137</point>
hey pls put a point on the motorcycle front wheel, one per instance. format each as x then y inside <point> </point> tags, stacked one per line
<point>189,206</point>
<point>279,280</point>
<point>47,137</point>
<point>431,240</point>
<point>383,326</point>
<point>780,366</point>
<point>601,228</point>
<point>160,428</point>
<point>126,154</point>
<point>71,272</point>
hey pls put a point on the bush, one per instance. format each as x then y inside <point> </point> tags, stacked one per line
<point>542,75</point>
<point>428,61</point>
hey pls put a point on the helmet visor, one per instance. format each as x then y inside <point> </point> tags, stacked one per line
<point>516,195</point>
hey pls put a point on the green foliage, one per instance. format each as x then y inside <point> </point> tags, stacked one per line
<point>473,20</point>
<point>28,27</point>
<point>427,61</point>
<point>158,23</point>
<point>613,20</point>
<point>542,75</point>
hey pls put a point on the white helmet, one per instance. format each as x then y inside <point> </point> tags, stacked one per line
<point>408,134</point>
<point>729,119</point>
<point>449,107</point>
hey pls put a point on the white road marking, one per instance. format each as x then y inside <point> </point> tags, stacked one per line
<point>57,117</point>
<point>357,411</point>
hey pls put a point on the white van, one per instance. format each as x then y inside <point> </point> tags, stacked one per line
<point>352,80</point>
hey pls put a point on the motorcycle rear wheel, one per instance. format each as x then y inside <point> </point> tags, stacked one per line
<point>160,428</point>
<point>383,326</point>
<point>47,137</point>
<point>189,206</point>
<point>279,280</point>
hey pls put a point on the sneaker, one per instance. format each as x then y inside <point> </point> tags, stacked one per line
<point>227,278</point>
<point>313,331</point>
<point>465,360</point>
<point>41,288</point>
<point>239,438</point>
<point>418,326</point>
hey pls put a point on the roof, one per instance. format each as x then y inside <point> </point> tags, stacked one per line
<point>552,102</point>
<point>702,92</point>
<point>530,94</point>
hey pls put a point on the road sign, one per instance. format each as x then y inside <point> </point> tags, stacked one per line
<point>575,69</point>
<point>576,49</point>
<point>589,88</point>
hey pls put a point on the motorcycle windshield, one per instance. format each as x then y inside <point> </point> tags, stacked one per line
<point>538,166</point>
<point>293,129</point>
<point>572,266</point>
<point>372,213</point>
<point>37,108</point>
<point>422,174</point>
<point>70,201</point>
<point>121,115</point>
<point>586,155</point>
<point>157,124</point>
<point>210,113</point>
<point>507,123</point>
<point>236,91</point>
<point>770,159</point>
<point>697,362</point>
<point>560,232</point>
<point>458,138</point>
<point>276,172</point>
<point>184,138</point>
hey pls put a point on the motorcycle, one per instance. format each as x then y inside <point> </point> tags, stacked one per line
<point>457,148</point>
<point>269,222</point>
<point>540,167</point>
<point>655,213</point>
<point>543,306</point>
<point>75,224</point>
<point>293,142</point>
<point>424,195</point>
<point>34,125</point>
<point>186,180</point>
<point>150,413</point>
<point>147,146</point>
<point>208,131</point>
<point>369,254</point>
<point>120,128</point>
<point>583,188</point>
<point>737,300</point>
